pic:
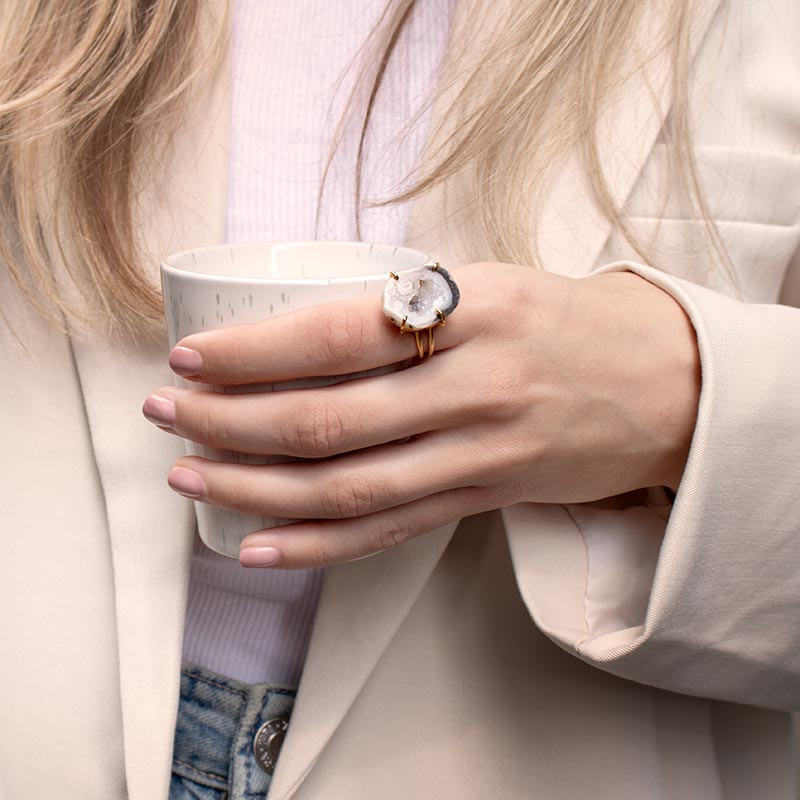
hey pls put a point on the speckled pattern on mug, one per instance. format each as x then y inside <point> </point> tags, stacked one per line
<point>214,287</point>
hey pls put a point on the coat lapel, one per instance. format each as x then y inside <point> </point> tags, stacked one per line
<point>362,603</point>
<point>361,606</point>
<point>151,529</point>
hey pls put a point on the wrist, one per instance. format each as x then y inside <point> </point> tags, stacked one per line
<point>666,347</point>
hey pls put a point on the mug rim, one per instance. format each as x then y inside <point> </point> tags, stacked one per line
<point>178,271</point>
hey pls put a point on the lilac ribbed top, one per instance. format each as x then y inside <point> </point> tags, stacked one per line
<point>294,64</point>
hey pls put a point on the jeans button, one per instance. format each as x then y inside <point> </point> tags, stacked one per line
<point>267,742</point>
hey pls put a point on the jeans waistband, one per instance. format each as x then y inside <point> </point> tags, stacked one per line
<point>218,720</point>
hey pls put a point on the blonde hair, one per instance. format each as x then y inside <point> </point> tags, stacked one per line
<point>84,84</point>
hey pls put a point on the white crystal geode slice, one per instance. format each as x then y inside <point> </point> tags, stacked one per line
<point>415,297</point>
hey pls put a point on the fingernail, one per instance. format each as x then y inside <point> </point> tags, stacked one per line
<point>185,361</point>
<point>186,482</point>
<point>259,557</point>
<point>159,410</point>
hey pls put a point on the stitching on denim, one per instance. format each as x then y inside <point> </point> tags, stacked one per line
<point>272,688</point>
<point>265,701</point>
<point>230,689</point>
<point>195,768</point>
<point>284,692</point>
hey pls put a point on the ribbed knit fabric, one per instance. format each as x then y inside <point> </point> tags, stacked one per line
<point>294,64</point>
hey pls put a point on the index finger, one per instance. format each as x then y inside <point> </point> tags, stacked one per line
<point>333,338</point>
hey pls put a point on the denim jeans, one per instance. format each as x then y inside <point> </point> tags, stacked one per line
<point>218,718</point>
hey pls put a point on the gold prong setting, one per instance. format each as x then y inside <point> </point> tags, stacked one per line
<point>420,299</point>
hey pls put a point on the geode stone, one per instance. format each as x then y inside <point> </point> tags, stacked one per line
<point>416,295</point>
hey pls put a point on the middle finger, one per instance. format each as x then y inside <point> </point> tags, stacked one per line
<point>316,423</point>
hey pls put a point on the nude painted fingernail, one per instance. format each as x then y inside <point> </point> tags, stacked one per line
<point>159,410</point>
<point>259,557</point>
<point>185,361</point>
<point>186,482</point>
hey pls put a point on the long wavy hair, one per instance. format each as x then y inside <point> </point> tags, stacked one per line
<point>86,85</point>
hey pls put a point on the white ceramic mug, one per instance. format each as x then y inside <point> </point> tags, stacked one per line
<point>214,287</point>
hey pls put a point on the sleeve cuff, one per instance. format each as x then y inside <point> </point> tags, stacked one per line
<point>720,617</point>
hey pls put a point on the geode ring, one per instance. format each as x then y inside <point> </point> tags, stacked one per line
<point>419,300</point>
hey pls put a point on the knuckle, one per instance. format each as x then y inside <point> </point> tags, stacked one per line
<point>390,533</point>
<point>318,430</point>
<point>318,555</point>
<point>505,493</point>
<point>500,393</point>
<point>350,496</point>
<point>209,427</point>
<point>515,459</point>
<point>343,337</point>
<point>240,358</point>
<point>316,551</point>
<point>243,496</point>
<point>496,311</point>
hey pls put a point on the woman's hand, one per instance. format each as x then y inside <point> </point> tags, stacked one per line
<point>542,388</point>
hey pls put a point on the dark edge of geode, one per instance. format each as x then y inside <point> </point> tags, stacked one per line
<point>453,288</point>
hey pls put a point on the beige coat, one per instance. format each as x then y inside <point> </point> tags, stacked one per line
<point>462,664</point>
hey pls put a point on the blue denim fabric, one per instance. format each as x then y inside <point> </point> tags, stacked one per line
<point>218,717</point>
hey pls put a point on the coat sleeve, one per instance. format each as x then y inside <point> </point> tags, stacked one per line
<point>723,613</point>
<point>700,593</point>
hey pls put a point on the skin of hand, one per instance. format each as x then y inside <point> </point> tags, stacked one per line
<point>542,388</point>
